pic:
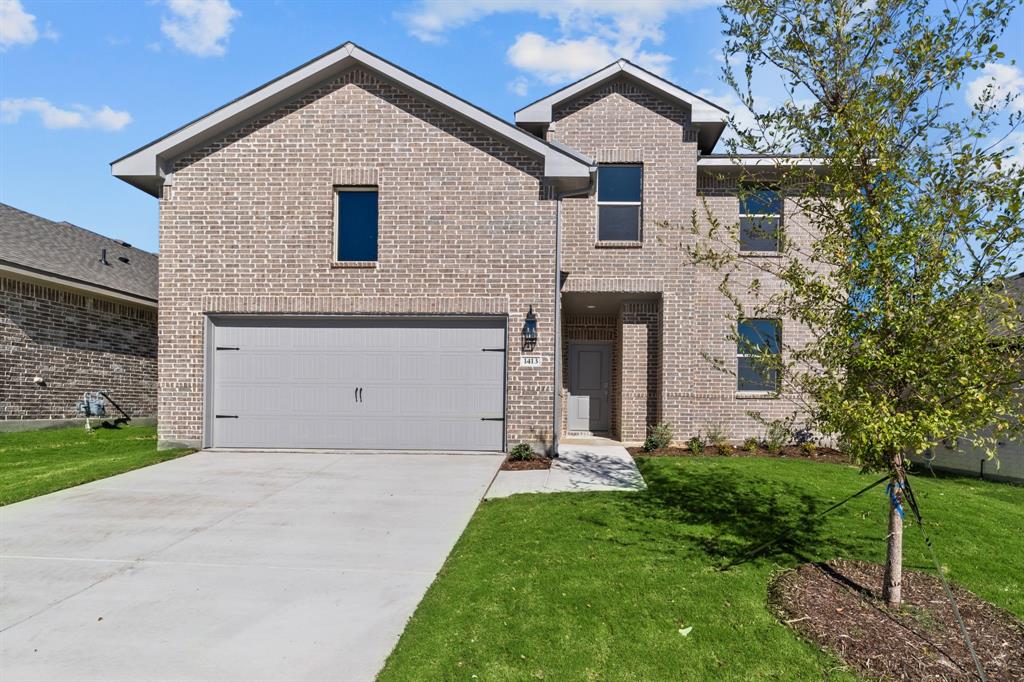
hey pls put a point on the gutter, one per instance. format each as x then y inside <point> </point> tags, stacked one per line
<point>556,405</point>
<point>8,268</point>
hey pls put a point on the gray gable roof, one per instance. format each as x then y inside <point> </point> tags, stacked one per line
<point>73,254</point>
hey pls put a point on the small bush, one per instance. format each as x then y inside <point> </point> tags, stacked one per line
<point>660,437</point>
<point>696,445</point>
<point>521,453</point>
<point>750,445</point>
<point>776,436</point>
<point>808,448</point>
<point>718,437</point>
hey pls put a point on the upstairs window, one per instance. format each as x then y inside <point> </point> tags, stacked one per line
<point>758,346</point>
<point>760,219</point>
<point>356,236</point>
<point>619,203</point>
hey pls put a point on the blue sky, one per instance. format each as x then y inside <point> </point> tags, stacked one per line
<point>82,83</point>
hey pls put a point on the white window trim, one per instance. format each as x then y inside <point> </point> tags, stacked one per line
<point>640,204</point>
<point>778,229</point>
<point>337,190</point>
<point>778,339</point>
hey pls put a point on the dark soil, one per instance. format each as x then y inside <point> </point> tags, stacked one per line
<point>838,606</point>
<point>526,464</point>
<point>819,454</point>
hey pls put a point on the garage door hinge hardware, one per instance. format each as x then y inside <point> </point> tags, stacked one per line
<point>227,348</point>
<point>493,350</point>
<point>492,419</point>
<point>226,416</point>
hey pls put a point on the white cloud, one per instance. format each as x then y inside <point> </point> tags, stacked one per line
<point>55,118</point>
<point>593,33</point>
<point>199,27</point>
<point>1005,80</point>
<point>17,27</point>
<point>519,86</point>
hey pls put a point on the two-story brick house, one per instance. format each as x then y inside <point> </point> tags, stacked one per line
<point>352,257</point>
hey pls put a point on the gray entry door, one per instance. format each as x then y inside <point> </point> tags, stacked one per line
<point>590,370</point>
<point>358,383</point>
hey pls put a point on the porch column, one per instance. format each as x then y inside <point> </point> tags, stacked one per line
<point>639,354</point>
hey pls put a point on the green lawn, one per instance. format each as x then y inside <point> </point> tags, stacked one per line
<point>38,462</point>
<point>595,586</point>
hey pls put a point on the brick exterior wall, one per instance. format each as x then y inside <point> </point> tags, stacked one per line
<point>466,226</point>
<point>623,122</point>
<point>640,362</point>
<point>77,343</point>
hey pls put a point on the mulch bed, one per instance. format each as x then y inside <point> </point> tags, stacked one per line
<point>838,606</point>
<point>819,454</point>
<point>526,464</point>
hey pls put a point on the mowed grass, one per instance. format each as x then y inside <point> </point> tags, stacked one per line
<point>38,462</point>
<point>596,586</point>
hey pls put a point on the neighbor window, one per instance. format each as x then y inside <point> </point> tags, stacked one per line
<point>357,224</point>
<point>757,349</point>
<point>619,203</point>
<point>760,219</point>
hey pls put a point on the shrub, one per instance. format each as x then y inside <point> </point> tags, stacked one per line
<point>696,445</point>
<point>718,437</point>
<point>660,436</point>
<point>750,445</point>
<point>808,448</point>
<point>776,435</point>
<point>521,453</point>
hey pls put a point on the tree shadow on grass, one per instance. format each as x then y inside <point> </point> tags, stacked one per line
<point>724,513</point>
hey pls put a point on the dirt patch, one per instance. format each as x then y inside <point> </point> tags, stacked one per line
<point>526,464</point>
<point>838,606</point>
<point>817,454</point>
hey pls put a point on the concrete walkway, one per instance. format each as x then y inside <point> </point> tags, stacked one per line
<point>582,465</point>
<point>230,566</point>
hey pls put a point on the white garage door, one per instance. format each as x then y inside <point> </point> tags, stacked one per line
<point>400,383</point>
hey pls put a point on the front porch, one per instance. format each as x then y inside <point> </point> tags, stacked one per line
<point>611,364</point>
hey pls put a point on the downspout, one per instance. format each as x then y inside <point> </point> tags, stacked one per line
<point>556,412</point>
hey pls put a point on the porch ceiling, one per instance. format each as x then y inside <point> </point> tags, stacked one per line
<point>599,303</point>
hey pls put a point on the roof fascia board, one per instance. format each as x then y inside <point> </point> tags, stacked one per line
<point>701,110</point>
<point>146,166</point>
<point>74,284</point>
<point>759,162</point>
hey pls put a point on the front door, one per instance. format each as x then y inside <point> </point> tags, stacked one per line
<point>590,373</point>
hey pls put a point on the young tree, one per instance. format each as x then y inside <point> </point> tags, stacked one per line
<point>915,217</point>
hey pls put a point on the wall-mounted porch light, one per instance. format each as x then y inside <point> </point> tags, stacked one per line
<point>530,331</point>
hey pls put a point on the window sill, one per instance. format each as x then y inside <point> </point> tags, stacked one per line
<point>760,254</point>
<point>757,395</point>
<point>354,264</point>
<point>618,244</point>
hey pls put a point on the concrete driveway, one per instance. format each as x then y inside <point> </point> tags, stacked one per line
<point>230,566</point>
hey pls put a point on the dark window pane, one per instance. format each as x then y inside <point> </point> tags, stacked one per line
<point>618,223</point>
<point>357,226</point>
<point>760,201</point>
<point>752,375</point>
<point>759,234</point>
<point>756,336</point>
<point>619,183</point>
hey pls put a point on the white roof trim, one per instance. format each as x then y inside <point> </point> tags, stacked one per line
<point>74,284</point>
<point>146,167</point>
<point>706,115</point>
<point>758,161</point>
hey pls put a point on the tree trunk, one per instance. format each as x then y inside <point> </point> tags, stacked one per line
<point>892,589</point>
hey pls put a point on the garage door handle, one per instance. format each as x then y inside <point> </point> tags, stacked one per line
<point>360,394</point>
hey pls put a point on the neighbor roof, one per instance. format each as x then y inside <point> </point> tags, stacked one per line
<point>147,167</point>
<point>72,255</point>
<point>709,118</point>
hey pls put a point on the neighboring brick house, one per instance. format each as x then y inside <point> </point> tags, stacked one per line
<point>352,257</point>
<point>78,314</point>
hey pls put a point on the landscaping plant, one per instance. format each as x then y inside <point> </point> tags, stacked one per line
<point>521,453</point>
<point>696,445</point>
<point>914,212</point>
<point>660,437</point>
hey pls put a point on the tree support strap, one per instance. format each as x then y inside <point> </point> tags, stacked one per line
<point>912,501</point>
<point>751,553</point>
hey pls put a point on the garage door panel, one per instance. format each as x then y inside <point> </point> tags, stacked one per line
<point>426,384</point>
